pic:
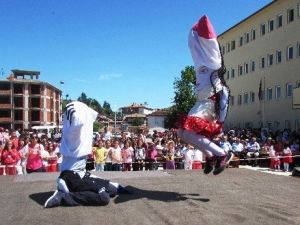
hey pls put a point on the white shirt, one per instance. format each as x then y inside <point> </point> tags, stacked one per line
<point>77,130</point>
<point>237,147</point>
<point>198,155</point>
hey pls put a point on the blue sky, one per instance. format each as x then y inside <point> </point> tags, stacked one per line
<point>119,51</point>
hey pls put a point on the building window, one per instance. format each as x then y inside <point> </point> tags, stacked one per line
<point>246,66</point>
<point>269,94</point>
<point>290,15</point>
<point>246,98</point>
<point>228,75</point>
<point>270,59</point>
<point>233,45</point>
<point>271,25</point>
<point>278,57</point>
<point>247,37</point>
<point>290,52</point>
<point>289,90</point>
<point>223,50</point>
<point>232,73</point>
<point>228,47</point>
<point>279,21</point>
<point>239,99</point>
<point>252,66</point>
<point>231,100</point>
<point>253,35</point>
<point>298,84</point>
<point>252,97</point>
<point>262,29</point>
<point>298,49</point>
<point>277,92</point>
<point>262,62</point>
<point>241,41</point>
<point>287,124</point>
<point>240,70</point>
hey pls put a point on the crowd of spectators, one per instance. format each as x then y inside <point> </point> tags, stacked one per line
<point>24,152</point>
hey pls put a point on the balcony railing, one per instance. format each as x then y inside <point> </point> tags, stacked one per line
<point>5,106</point>
<point>5,119</point>
<point>4,92</point>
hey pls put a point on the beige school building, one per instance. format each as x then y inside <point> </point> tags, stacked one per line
<point>262,57</point>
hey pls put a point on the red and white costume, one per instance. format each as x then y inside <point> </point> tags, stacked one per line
<point>205,119</point>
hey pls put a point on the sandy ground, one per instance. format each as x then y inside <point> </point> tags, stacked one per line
<point>237,196</point>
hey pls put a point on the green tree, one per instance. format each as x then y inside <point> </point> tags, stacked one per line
<point>107,110</point>
<point>184,98</point>
<point>137,122</point>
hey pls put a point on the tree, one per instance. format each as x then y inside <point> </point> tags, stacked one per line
<point>137,122</point>
<point>91,102</point>
<point>107,110</point>
<point>184,98</point>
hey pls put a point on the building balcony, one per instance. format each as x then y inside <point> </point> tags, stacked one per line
<point>5,106</point>
<point>4,92</point>
<point>5,119</point>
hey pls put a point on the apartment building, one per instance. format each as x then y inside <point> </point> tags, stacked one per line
<point>262,57</point>
<point>26,101</point>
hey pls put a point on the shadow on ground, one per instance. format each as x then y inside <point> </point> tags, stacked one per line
<point>41,197</point>
<point>135,193</point>
<point>164,196</point>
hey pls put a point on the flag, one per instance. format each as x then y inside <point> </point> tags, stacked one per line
<point>260,91</point>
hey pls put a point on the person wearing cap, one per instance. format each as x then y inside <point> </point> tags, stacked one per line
<point>76,186</point>
<point>205,120</point>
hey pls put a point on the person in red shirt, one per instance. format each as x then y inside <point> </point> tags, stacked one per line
<point>14,139</point>
<point>10,155</point>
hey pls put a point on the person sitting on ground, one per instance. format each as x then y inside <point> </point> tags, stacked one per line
<point>76,186</point>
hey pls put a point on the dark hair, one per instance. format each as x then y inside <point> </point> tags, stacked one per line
<point>221,71</point>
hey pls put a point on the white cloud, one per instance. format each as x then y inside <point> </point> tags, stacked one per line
<point>110,76</point>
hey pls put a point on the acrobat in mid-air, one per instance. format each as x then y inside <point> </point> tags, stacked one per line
<point>205,120</point>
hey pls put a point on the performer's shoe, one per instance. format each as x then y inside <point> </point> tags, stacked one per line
<point>62,186</point>
<point>54,200</point>
<point>209,165</point>
<point>222,162</point>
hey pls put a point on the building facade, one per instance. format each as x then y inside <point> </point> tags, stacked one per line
<point>156,120</point>
<point>26,102</point>
<point>262,57</point>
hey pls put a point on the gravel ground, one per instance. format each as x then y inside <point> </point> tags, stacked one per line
<point>237,196</point>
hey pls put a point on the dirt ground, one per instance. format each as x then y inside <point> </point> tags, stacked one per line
<point>237,196</point>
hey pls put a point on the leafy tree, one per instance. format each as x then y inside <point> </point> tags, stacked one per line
<point>97,126</point>
<point>184,98</point>
<point>137,122</point>
<point>107,110</point>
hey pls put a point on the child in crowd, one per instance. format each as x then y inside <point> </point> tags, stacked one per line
<point>287,157</point>
<point>127,155</point>
<point>100,154</point>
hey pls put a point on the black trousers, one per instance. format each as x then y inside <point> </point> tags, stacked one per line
<point>84,191</point>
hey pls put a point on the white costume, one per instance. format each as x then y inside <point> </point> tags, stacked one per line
<point>205,119</point>
<point>75,185</point>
